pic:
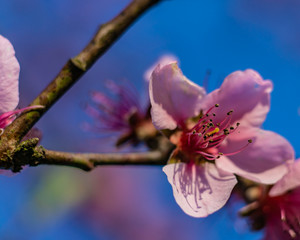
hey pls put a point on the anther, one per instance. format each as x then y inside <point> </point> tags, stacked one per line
<point>214,114</point>
<point>231,128</point>
<point>194,131</point>
<point>226,132</point>
<point>217,105</point>
<point>237,124</point>
<point>250,141</point>
<point>231,111</point>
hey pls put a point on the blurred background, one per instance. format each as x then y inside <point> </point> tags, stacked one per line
<point>122,203</point>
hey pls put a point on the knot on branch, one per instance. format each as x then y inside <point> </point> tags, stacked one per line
<point>25,153</point>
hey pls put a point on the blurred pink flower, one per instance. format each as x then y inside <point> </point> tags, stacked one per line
<point>9,84</point>
<point>119,113</point>
<point>280,210</point>
<point>117,110</point>
<point>282,216</point>
<point>210,150</point>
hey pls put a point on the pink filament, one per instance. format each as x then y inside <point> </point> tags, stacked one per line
<point>206,136</point>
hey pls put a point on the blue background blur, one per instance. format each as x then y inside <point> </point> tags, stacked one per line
<point>125,203</point>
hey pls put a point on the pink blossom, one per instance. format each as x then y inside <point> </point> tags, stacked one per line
<point>212,134</point>
<point>9,84</point>
<point>282,216</point>
<point>280,211</point>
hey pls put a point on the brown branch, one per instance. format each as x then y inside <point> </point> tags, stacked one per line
<point>28,154</point>
<point>107,34</point>
<point>88,161</point>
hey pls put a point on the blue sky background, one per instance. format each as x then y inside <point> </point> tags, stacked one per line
<point>121,203</point>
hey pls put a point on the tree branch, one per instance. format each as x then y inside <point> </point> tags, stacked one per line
<point>107,34</point>
<point>88,161</point>
<point>28,154</point>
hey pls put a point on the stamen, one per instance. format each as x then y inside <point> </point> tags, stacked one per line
<point>216,105</point>
<point>292,233</point>
<point>226,131</point>
<point>286,226</point>
<point>230,112</point>
<point>240,150</point>
<point>206,136</point>
<point>207,155</point>
<point>282,213</point>
<point>226,121</point>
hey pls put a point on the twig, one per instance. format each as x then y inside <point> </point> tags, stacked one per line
<point>88,161</point>
<point>28,154</point>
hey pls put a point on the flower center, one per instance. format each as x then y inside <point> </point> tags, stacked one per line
<point>207,135</point>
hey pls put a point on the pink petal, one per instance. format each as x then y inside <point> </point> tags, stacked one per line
<point>162,61</point>
<point>173,97</point>
<point>246,93</point>
<point>264,160</point>
<point>9,76</point>
<point>289,181</point>
<point>199,190</point>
